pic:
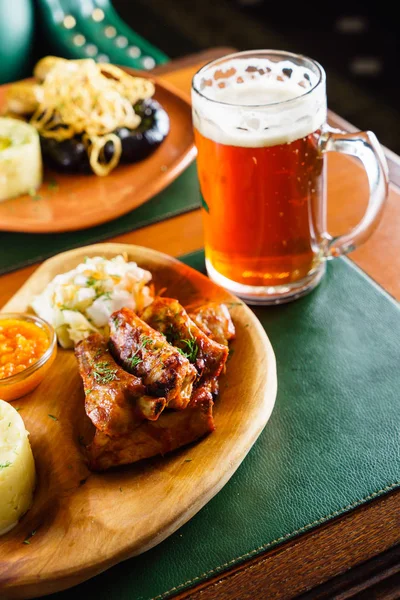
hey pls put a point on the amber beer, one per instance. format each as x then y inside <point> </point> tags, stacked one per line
<point>257,130</point>
<point>261,209</point>
<point>260,129</point>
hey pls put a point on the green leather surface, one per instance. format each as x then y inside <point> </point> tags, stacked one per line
<point>331,444</point>
<point>22,249</point>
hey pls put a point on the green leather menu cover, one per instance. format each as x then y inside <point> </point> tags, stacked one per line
<point>21,249</point>
<point>331,444</point>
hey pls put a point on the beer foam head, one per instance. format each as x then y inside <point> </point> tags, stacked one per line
<point>255,101</point>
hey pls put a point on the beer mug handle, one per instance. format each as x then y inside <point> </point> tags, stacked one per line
<point>364,146</point>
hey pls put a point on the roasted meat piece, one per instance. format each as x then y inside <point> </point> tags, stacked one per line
<point>204,391</point>
<point>215,320</point>
<point>168,317</point>
<point>146,353</point>
<point>172,430</point>
<point>115,401</point>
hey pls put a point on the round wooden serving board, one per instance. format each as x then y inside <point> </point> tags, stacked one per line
<point>84,522</point>
<point>67,202</point>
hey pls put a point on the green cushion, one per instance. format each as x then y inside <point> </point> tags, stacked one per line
<point>97,32</point>
<point>93,29</point>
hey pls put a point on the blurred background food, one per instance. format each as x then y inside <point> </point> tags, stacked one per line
<point>357,42</point>
<point>90,117</point>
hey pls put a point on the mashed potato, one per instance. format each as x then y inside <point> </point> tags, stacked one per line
<point>81,301</point>
<point>17,468</point>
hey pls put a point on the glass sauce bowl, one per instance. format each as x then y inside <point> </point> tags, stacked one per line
<point>25,381</point>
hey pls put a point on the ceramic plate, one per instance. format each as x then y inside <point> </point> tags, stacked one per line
<point>71,202</point>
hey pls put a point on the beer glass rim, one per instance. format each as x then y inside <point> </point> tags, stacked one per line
<point>255,53</point>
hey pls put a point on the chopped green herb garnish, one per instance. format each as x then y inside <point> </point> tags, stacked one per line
<point>9,424</point>
<point>92,281</point>
<point>191,351</point>
<point>115,320</point>
<point>18,409</point>
<point>106,295</point>
<point>120,489</point>
<point>188,460</point>
<point>26,540</point>
<point>5,465</point>
<point>135,361</point>
<point>69,466</point>
<point>53,417</point>
<point>104,373</point>
<point>146,341</point>
<point>231,353</point>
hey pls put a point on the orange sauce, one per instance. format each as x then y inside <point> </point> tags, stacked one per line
<point>21,345</point>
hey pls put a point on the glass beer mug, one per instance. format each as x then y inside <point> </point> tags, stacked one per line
<point>261,134</point>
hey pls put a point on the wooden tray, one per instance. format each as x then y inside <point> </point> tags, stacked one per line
<point>86,522</point>
<point>72,202</point>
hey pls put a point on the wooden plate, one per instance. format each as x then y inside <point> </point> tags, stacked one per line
<point>71,202</point>
<point>86,522</point>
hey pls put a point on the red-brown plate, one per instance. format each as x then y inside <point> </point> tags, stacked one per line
<point>71,202</point>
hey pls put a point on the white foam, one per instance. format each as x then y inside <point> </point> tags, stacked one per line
<point>265,105</point>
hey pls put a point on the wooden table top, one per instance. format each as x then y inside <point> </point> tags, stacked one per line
<point>332,549</point>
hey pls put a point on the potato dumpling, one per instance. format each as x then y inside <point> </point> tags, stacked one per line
<point>17,468</point>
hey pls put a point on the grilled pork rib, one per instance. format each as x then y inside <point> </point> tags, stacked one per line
<point>215,321</point>
<point>146,353</point>
<point>165,359</point>
<point>168,317</point>
<point>115,401</point>
<point>172,430</point>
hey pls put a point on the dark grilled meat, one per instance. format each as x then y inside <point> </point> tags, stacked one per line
<point>215,320</point>
<point>115,401</point>
<point>168,317</point>
<point>147,354</point>
<point>172,430</point>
